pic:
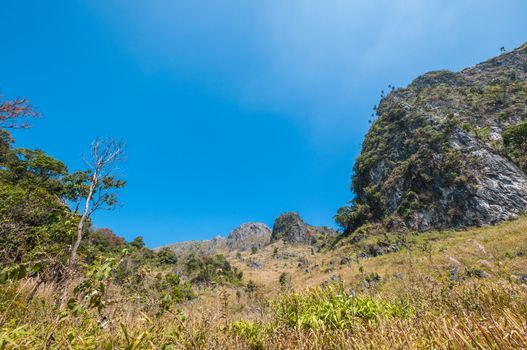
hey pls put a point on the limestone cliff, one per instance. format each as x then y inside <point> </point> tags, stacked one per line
<point>449,150</point>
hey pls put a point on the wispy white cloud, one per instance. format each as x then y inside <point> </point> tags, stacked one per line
<point>321,63</point>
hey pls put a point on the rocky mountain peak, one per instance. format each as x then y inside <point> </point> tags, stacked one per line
<point>291,228</point>
<point>249,235</point>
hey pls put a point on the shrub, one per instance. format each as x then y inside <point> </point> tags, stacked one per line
<point>332,308</point>
<point>283,280</point>
<point>213,269</point>
<point>515,144</point>
<point>173,291</point>
<point>250,287</point>
<point>105,241</point>
<point>166,257</point>
<point>251,331</point>
<point>372,277</point>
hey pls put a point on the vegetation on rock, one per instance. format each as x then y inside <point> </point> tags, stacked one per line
<point>442,150</point>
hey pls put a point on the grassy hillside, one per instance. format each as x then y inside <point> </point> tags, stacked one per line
<point>442,290</point>
<point>488,249</point>
<point>378,285</point>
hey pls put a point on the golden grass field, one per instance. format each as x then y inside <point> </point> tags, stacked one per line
<point>440,290</point>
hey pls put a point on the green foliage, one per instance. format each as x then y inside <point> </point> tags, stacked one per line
<point>354,216</point>
<point>409,204</point>
<point>167,257</point>
<point>481,133</point>
<point>372,277</point>
<point>515,135</point>
<point>212,269</point>
<point>172,290</point>
<point>138,242</point>
<point>250,287</point>
<point>39,201</point>
<point>515,144</point>
<point>252,332</point>
<point>192,264</point>
<point>332,308</point>
<point>102,242</point>
<point>496,93</point>
<point>91,292</point>
<point>283,280</point>
<point>16,272</point>
<point>35,222</point>
<point>342,218</point>
<point>21,337</point>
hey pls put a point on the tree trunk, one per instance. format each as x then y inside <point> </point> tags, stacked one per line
<point>70,268</point>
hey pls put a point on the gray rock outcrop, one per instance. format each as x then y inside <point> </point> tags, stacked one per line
<point>249,235</point>
<point>291,228</point>
<point>436,158</point>
<point>242,238</point>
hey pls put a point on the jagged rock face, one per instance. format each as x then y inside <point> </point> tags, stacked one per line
<point>249,235</point>
<point>436,158</point>
<point>291,228</point>
<point>240,239</point>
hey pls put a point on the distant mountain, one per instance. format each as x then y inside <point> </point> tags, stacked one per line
<point>288,227</point>
<point>449,150</point>
<point>242,238</point>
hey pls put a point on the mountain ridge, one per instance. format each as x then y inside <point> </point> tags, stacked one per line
<point>289,227</point>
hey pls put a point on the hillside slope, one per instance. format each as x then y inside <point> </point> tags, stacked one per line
<point>447,151</point>
<point>489,252</point>
<point>441,290</point>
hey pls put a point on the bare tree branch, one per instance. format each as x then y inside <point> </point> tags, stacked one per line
<point>101,184</point>
<point>13,113</point>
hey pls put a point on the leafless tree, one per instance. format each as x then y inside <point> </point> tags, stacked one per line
<point>95,189</point>
<point>13,113</point>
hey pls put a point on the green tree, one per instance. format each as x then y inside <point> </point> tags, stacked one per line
<point>35,221</point>
<point>138,242</point>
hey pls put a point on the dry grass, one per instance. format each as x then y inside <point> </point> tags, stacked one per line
<point>492,249</point>
<point>449,290</point>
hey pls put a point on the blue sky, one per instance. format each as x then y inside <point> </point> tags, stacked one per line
<point>234,110</point>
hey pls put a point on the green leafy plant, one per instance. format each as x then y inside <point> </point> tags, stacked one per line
<point>331,307</point>
<point>252,332</point>
<point>91,292</point>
